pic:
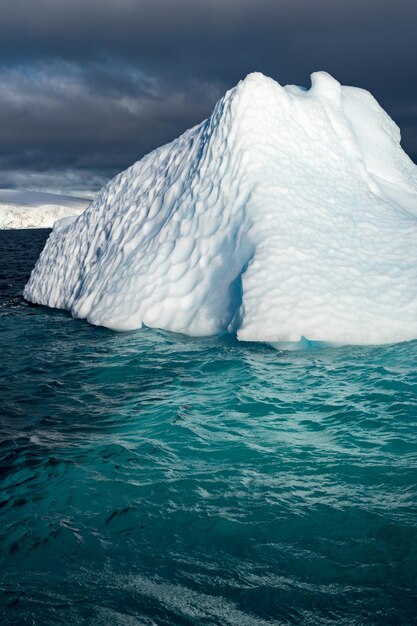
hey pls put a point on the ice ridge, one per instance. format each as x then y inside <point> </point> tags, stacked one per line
<point>286,214</point>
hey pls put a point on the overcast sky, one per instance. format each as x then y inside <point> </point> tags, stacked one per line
<point>87,87</point>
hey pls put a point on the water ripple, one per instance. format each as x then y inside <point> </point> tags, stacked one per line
<point>149,478</point>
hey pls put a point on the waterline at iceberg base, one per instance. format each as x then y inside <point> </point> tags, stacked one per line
<point>287,214</point>
<point>153,478</point>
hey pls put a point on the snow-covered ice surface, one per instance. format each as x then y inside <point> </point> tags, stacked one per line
<point>286,215</point>
<point>34,209</point>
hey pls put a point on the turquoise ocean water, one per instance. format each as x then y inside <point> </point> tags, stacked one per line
<point>150,478</point>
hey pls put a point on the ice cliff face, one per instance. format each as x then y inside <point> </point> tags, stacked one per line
<point>287,213</point>
<point>32,209</point>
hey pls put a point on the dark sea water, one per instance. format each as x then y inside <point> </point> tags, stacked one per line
<point>150,478</point>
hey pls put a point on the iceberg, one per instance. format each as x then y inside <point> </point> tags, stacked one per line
<point>289,214</point>
<point>33,209</point>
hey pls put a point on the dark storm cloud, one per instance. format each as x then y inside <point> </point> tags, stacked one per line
<point>87,87</point>
<point>91,120</point>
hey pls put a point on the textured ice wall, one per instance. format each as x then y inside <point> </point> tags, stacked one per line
<point>286,214</point>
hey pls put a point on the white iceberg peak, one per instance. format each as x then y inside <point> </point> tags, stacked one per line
<point>286,214</point>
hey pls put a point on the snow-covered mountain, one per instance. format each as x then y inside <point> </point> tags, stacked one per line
<point>34,209</point>
<point>286,214</point>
